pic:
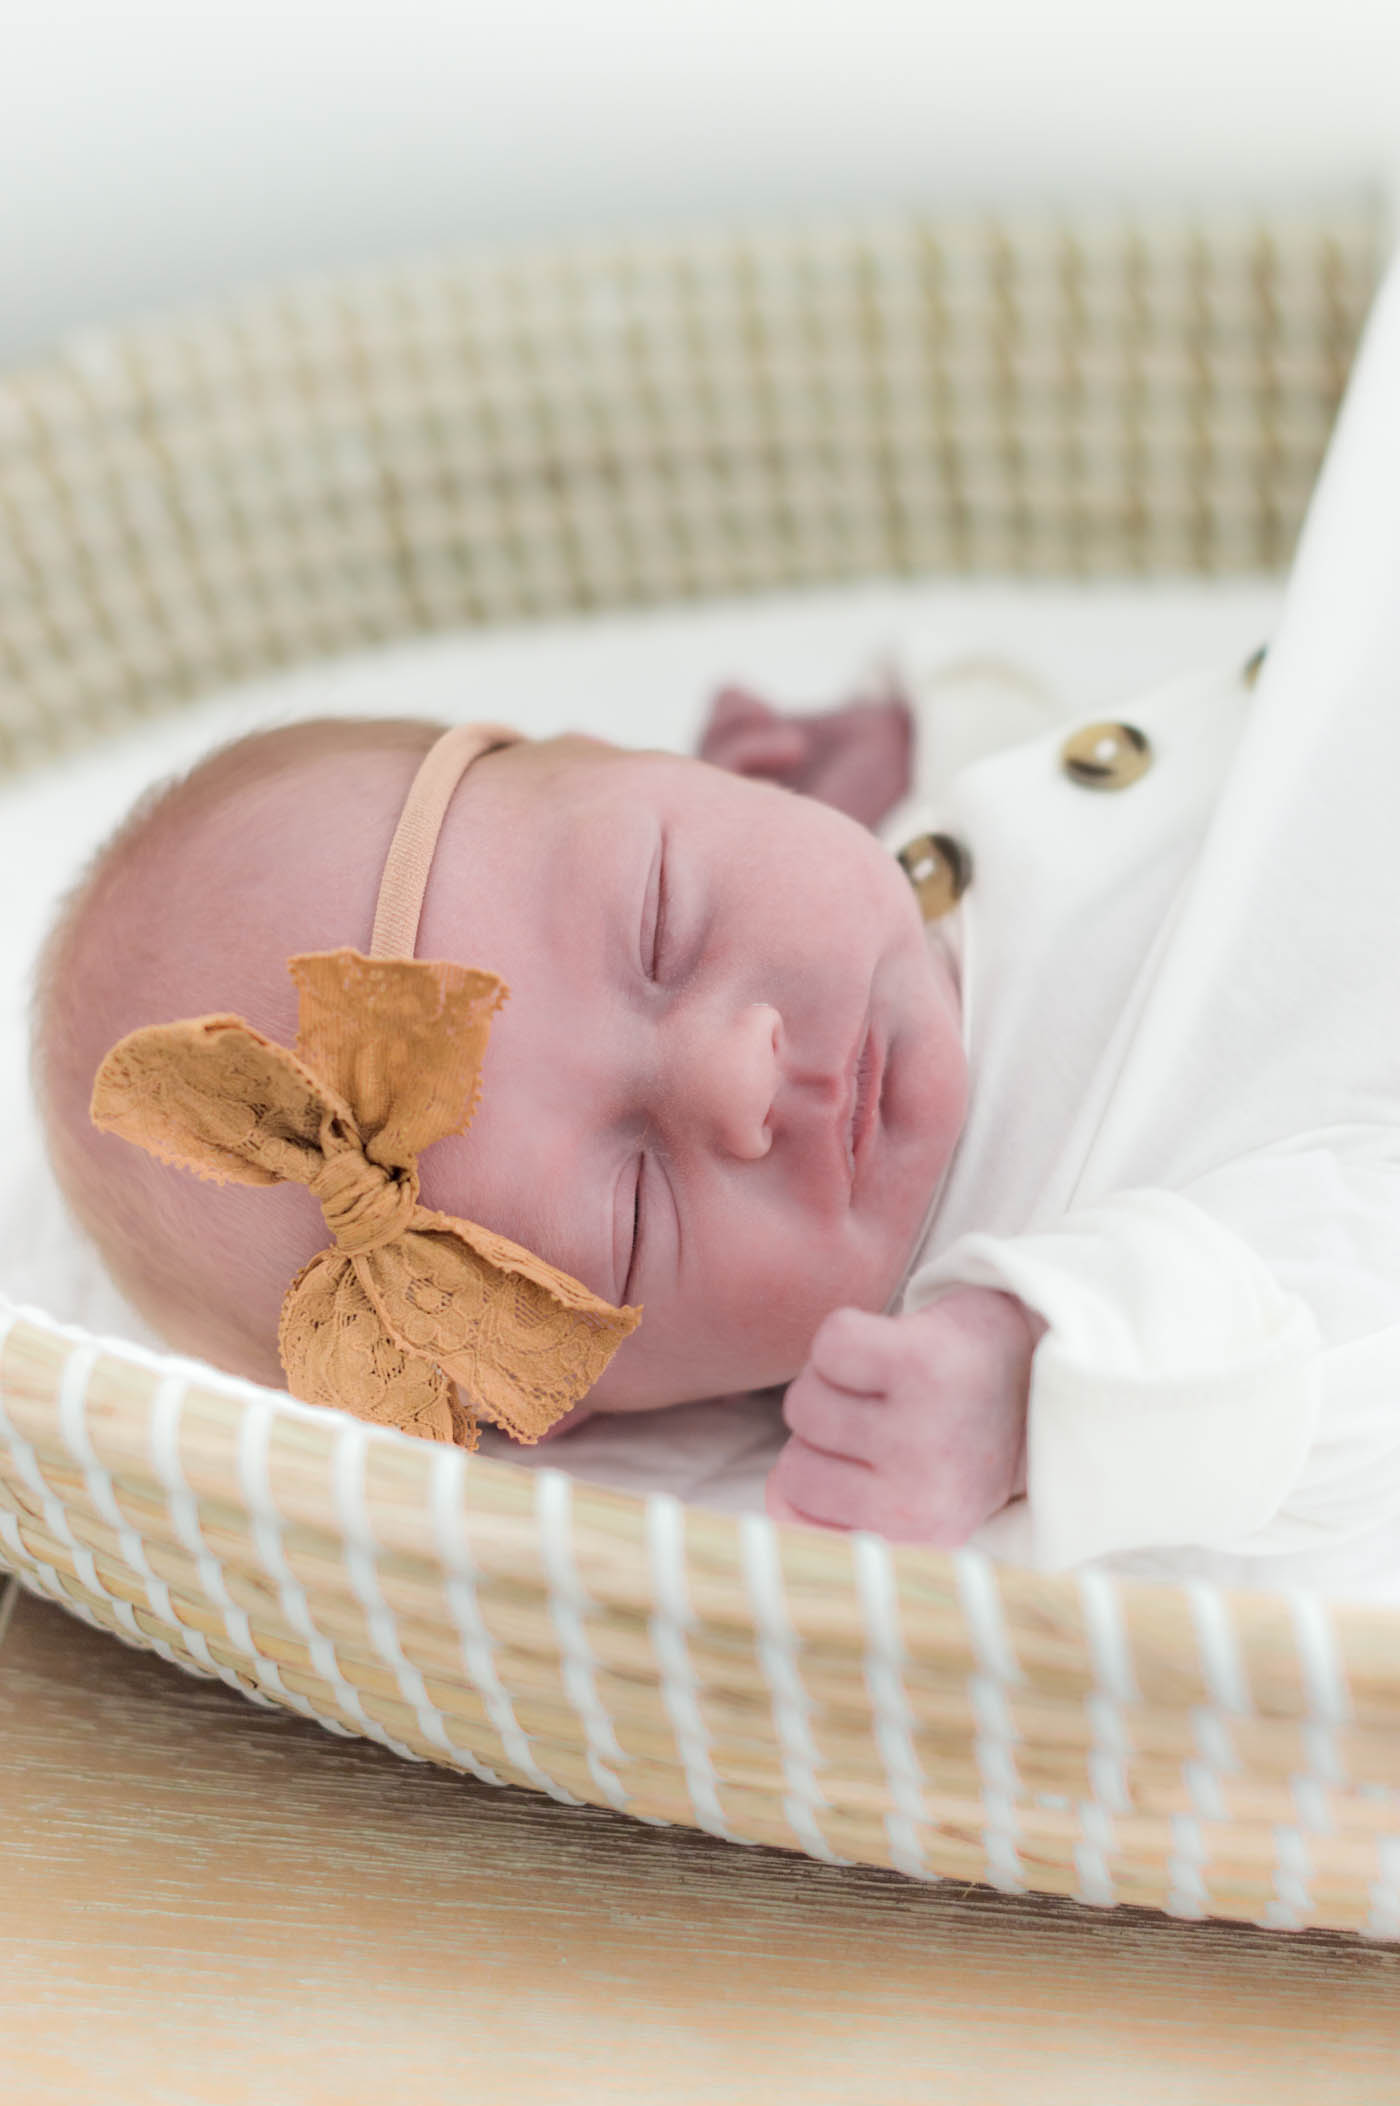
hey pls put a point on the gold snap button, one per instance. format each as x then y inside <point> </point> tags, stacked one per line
<point>1250,672</point>
<point>1106,756</point>
<point>939,868</point>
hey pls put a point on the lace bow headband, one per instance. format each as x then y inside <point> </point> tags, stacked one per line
<point>404,1304</point>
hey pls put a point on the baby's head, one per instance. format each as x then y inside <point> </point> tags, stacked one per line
<point>713,981</point>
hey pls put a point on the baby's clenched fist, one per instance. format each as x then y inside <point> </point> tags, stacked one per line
<point>913,1426</point>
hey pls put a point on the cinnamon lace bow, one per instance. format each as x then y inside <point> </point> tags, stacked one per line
<point>404,1303</point>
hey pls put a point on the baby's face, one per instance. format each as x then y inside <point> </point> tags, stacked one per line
<point>730,1071</point>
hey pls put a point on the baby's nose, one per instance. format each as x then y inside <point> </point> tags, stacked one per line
<point>737,1080</point>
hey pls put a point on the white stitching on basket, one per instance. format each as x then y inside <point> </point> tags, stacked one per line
<point>1324,1675</point>
<point>55,1517</point>
<point>254,1424</point>
<point>997,1666</point>
<point>776,1646</point>
<point>1108,1638</point>
<point>568,1602</point>
<point>1329,1706</point>
<point>1384,1919</point>
<point>1292,1905</point>
<point>1097,1845</point>
<point>450,1527</point>
<point>1187,1893</point>
<point>254,1428</point>
<point>1108,1753</point>
<point>167,1405</point>
<point>24,1561</point>
<point>889,1702</point>
<point>57,1522</point>
<point>1202,1776</point>
<point>1219,1650</point>
<point>43,1578</point>
<point>1227,1686</point>
<point>1115,1685</point>
<point>668,1624</point>
<point>73,1424</point>
<point>981,1601</point>
<point>359,1550</point>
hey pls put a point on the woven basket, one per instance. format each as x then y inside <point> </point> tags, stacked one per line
<point>185,504</point>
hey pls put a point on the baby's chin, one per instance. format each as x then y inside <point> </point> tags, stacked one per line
<point>582,1414</point>
<point>571,1421</point>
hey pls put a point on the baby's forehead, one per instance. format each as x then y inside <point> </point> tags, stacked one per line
<point>540,787</point>
<point>274,846</point>
<point>541,832</point>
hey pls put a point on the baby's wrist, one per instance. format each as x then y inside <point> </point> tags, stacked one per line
<point>986,1338</point>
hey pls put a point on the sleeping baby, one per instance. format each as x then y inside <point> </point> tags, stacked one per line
<point>1051,1163</point>
<point>726,1082</point>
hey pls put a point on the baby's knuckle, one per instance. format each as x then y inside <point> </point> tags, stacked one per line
<point>961,1353</point>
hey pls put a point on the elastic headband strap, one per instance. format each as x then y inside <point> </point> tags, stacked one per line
<point>410,856</point>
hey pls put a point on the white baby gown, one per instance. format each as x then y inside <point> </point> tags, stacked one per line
<point>1182,1016</point>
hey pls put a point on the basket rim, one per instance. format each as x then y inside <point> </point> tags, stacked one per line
<point>1310,1607</point>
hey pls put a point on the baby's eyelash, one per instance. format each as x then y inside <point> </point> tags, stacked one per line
<point>658,923</point>
<point>636,1228</point>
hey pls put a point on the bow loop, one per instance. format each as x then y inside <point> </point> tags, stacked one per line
<point>400,1040</point>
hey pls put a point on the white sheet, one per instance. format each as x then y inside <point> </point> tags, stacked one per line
<point>641,679</point>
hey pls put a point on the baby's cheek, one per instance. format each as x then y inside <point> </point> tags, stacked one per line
<point>767,1283</point>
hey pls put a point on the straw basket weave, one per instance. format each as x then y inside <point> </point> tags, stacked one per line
<point>185,504</point>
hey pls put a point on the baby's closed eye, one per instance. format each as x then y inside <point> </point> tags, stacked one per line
<point>654,913</point>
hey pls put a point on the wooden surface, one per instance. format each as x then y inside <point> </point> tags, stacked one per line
<point>208,1904</point>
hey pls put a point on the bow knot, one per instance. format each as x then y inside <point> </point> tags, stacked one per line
<point>365,1205</point>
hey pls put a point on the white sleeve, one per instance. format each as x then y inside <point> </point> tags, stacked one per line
<point>1221,1370</point>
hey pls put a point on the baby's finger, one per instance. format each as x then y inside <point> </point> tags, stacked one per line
<point>832,1419</point>
<point>852,1349</point>
<point>830,1490</point>
<point>778,1508</point>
